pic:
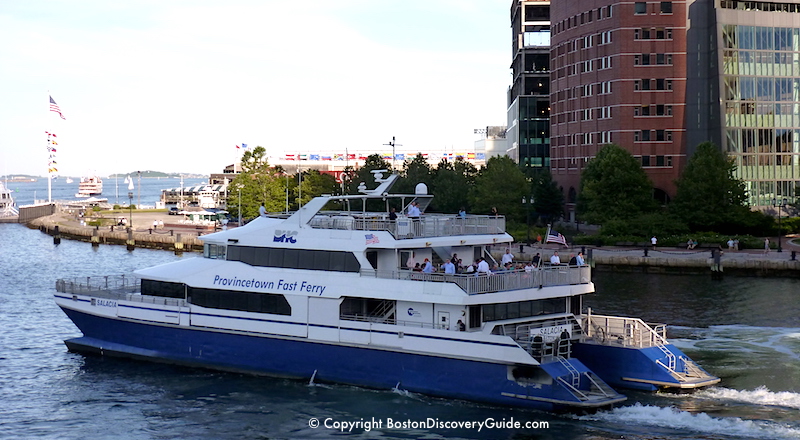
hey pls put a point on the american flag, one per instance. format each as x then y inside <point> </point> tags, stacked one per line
<point>555,237</point>
<point>371,238</point>
<point>54,108</point>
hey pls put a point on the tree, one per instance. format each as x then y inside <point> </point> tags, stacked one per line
<point>256,184</point>
<point>709,197</point>
<point>614,186</point>
<point>415,171</point>
<point>313,184</point>
<point>548,199</point>
<point>500,184</point>
<point>451,186</point>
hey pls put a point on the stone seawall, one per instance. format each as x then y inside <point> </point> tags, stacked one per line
<point>164,239</point>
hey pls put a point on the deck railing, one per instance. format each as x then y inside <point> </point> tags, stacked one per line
<point>125,287</point>
<point>429,225</point>
<point>497,282</point>
<point>628,332</point>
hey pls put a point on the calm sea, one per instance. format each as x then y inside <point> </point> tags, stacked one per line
<point>744,330</point>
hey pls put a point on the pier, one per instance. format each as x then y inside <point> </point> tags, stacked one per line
<point>173,236</point>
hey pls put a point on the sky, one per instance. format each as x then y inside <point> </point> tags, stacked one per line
<point>175,86</point>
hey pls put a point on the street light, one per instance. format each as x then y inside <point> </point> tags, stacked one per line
<point>130,203</point>
<point>528,203</point>
<point>779,204</point>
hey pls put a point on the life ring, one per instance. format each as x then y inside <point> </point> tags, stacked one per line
<point>600,335</point>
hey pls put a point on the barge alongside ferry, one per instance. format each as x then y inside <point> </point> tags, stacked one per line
<point>331,295</point>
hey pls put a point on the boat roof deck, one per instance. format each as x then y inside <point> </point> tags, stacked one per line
<point>428,225</point>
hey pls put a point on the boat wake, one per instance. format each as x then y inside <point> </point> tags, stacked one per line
<point>759,396</point>
<point>669,418</point>
<point>745,338</point>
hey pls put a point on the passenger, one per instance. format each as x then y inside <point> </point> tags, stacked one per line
<point>482,267</point>
<point>508,257</point>
<point>580,260</point>
<point>428,266</point>
<point>411,262</point>
<point>262,211</point>
<point>528,267</point>
<point>537,260</point>
<point>462,213</point>
<point>449,267</point>
<point>417,268</point>
<point>555,260</point>
<point>461,326</point>
<point>573,261</point>
<point>392,215</point>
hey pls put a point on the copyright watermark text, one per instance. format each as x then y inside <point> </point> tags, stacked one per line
<point>427,423</point>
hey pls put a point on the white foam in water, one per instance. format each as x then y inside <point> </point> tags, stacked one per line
<point>672,418</point>
<point>759,396</point>
<point>772,338</point>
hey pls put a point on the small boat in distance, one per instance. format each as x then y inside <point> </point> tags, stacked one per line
<point>90,186</point>
<point>8,208</point>
<point>69,180</point>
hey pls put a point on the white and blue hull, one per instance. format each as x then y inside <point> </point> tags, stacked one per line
<point>300,358</point>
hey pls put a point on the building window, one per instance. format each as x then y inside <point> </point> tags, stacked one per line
<point>645,161</point>
<point>645,110</point>
<point>660,84</point>
<point>666,7</point>
<point>644,135</point>
<point>645,59</point>
<point>659,135</point>
<point>645,84</point>
<point>669,136</point>
<point>637,111</point>
<point>641,8</point>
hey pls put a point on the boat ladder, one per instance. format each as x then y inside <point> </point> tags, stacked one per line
<point>691,369</point>
<point>575,376</point>
<point>671,360</point>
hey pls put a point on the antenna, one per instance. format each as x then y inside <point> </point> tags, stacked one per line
<point>393,144</point>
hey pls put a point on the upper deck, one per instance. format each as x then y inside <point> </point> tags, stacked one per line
<point>428,225</point>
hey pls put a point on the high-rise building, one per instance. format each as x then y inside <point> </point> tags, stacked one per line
<point>528,126</point>
<point>660,77</point>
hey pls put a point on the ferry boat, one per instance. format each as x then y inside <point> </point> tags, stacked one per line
<point>89,187</point>
<point>331,296</point>
<point>8,208</point>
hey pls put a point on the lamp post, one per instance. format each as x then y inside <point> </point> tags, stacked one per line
<point>779,203</point>
<point>130,203</point>
<point>130,209</point>
<point>528,203</point>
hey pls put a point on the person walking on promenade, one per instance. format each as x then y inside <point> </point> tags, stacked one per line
<point>653,241</point>
<point>766,246</point>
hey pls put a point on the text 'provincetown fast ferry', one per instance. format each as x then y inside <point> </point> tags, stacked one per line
<point>330,295</point>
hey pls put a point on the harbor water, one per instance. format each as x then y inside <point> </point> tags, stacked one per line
<point>744,330</point>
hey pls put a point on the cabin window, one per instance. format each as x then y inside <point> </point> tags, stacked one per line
<point>336,261</point>
<point>214,251</point>
<point>243,301</point>
<point>523,309</point>
<point>163,288</point>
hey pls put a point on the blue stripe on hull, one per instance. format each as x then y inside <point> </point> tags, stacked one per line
<point>369,367</point>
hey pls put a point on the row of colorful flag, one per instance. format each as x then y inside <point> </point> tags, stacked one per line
<point>385,156</point>
<point>51,142</point>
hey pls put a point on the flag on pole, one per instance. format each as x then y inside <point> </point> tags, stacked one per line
<point>555,237</point>
<point>54,108</point>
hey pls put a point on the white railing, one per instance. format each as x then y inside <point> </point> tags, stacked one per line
<point>628,332</point>
<point>119,287</point>
<point>496,282</point>
<point>429,225</point>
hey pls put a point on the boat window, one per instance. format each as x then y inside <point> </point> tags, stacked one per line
<point>214,251</point>
<point>163,288</point>
<point>523,309</point>
<point>243,301</point>
<point>337,261</point>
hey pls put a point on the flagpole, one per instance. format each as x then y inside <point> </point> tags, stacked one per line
<point>49,178</point>
<point>546,234</point>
